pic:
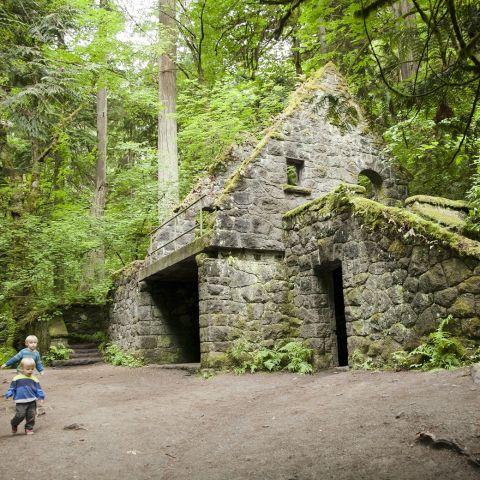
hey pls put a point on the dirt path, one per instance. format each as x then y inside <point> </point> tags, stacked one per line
<point>165,424</point>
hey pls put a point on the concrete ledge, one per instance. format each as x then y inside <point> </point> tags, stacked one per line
<point>181,257</point>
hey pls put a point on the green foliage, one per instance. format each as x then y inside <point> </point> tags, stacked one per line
<point>292,356</point>
<point>359,361</point>
<point>113,354</point>
<point>6,353</point>
<point>57,352</point>
<point>439,351</point>
<point>210,119</point>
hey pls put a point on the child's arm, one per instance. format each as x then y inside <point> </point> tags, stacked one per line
<point>11,391</point>
<point>40,394</point>
<point>12,361</point>
<point>39,365</point>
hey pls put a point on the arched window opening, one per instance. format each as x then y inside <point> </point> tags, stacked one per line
<point>372,182</point>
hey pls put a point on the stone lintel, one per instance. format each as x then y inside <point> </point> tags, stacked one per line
<point>179,259</point>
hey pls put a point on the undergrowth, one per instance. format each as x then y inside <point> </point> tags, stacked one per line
<point>114,355</point>
<point>6,353</point>
<point>293,356</point>
<point>440,350</point>
<point>57,352</point>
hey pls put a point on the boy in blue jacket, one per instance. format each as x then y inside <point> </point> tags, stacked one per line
<point>30,352</point>
<point>25,390</point>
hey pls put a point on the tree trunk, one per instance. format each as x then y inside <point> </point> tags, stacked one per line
<point>100,176</point>
<point>167,122</point>
<point>96,259</point>
<point>405,53</point>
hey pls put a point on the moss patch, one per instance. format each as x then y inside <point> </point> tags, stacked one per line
<point>392,221</point>
<point>439,202</point>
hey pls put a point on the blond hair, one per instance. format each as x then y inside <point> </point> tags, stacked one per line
<point>27,361</point>
<point>31,337</point>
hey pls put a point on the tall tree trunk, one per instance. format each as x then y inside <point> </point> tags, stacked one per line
<point>96,260</point>
<point>167,122</point>
<point>408,65</point>
<point>100,176</point>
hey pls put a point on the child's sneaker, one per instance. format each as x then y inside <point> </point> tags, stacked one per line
<point>28,431</point>
<point>14,429</point>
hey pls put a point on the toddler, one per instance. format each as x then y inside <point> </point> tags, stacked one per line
<point>30,352</point>
<point>25,390</point>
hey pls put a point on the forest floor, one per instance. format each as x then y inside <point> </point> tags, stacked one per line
<point>105,422</point>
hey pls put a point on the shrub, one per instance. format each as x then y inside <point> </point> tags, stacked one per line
<point>6,353</point>
<point>113,354</point>
<point>57,352</point>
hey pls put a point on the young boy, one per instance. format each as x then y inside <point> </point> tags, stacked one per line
<point>25,390</point>
<point>30,352</point>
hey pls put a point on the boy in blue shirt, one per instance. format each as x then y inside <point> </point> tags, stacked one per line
<point>30,352</point>
<point>25,390</point>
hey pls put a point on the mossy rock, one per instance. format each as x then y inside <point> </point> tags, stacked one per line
<point>57,328</point>
<point>215,360</point>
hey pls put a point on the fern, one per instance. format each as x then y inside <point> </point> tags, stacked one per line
<point>439,351</point>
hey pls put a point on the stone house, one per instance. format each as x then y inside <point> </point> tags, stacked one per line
<point>278,241</point>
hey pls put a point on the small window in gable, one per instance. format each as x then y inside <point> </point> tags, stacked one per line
<point>294,171</point>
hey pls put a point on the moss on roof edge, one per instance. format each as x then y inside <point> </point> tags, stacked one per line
<point>394,221</point>
<point>439,202</point>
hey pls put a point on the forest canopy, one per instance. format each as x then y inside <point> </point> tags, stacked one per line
<point>414,66</point>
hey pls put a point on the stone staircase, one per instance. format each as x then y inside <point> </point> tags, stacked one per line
<point>83,354</point>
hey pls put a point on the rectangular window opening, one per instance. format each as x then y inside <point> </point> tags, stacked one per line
<point>294,171</point>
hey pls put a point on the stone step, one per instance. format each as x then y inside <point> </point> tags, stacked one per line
<point>90,352</point>
<point>83,346</point>
<point>73,362</point>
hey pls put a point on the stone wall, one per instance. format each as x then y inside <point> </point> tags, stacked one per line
<point>243,296</point>
<point>398,280</point>
<point>158,322</point>
<point>85,319</point>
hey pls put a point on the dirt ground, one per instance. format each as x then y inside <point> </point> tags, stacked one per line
<point>166,424</point>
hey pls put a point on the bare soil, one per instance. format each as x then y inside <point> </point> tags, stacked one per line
<point>152,423</point>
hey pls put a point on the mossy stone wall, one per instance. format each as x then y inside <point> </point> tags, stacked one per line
<point>243,296</point>
<point>396,287</point>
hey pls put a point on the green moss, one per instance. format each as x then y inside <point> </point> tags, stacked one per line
<point>398,248</point>
<point>57,328</point>
<point>325,203</point>
<point>439,202</point>
<point>168,357</point>
<point>215,360</point>
<point>442,215</point>
<point>392,221</point>
<point>296,189</point>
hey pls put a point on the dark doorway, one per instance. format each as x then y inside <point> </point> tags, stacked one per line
<point>177,310</point>
<point>340,322</point>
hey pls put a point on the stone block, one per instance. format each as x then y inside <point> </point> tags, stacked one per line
<point>470,285</point>
<point>464,306</point>
<point>455,271</point>
<point>421,301</point>
<point>446,297</point>
<point>419,261</point>
<point>148,342</point>
<point>433,280</point>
